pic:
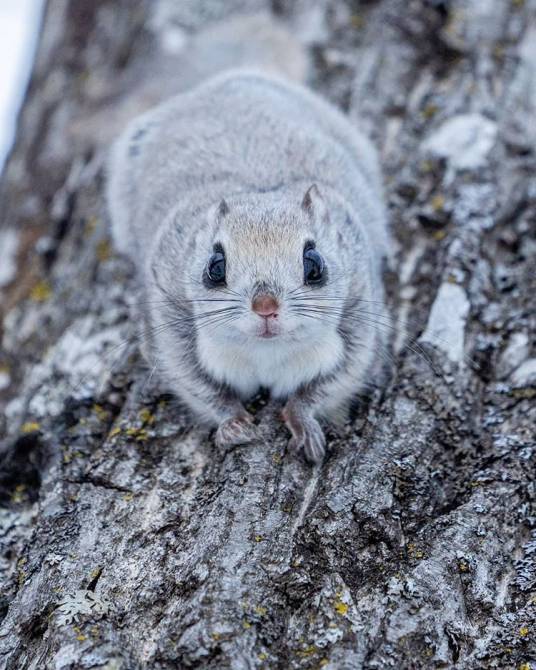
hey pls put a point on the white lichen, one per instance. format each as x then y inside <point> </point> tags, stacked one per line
<point>81,603</point>
<point>446,324</point>
<point>525,374</point>
<point>515,353</point>
<point>464,141</point>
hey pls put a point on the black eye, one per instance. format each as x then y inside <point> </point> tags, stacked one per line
<point>216,268</point>
<point>313,266</point>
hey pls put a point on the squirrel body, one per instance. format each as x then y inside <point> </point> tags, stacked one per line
<point>253,211</point>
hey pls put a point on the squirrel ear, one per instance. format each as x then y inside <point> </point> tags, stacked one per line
<point>223,208</point>
<point>313,203</point>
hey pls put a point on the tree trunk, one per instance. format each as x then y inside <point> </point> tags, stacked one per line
<point>129,541</point>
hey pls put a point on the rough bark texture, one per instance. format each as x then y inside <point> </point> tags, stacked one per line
<point>128,540</point>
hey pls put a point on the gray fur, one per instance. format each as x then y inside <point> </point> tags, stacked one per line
<point>259,143</point>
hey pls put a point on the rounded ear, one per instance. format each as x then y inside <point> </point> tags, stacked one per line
<point>313,203</point>
<point>223,208</point>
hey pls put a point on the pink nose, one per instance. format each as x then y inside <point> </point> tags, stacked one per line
<point>265,305</point>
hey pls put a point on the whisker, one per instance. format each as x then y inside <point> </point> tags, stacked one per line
<point>412,345</point>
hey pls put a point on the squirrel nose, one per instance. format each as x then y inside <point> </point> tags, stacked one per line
<point>265,305</point>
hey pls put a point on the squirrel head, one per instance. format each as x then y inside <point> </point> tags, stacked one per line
<point>266,267</point>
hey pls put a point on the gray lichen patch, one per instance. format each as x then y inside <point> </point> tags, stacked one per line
<point>464,141</point>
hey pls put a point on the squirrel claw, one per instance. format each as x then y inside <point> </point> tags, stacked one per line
<point>310,438</point>
<point>236,430</point>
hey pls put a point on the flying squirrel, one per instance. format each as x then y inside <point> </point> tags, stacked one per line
<point>254,214</point>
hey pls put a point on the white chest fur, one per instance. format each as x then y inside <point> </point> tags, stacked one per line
<point>277,365</point>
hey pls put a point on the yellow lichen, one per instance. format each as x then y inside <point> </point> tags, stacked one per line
<point>340,607</point>
<point>263,656</point>
<point>18,494</point>
<point>259,538</point>
<point>414,552</point>
<point>101,413</point>
<point>139,434</point>
<point>30,427</point>
<point>523,393</point>
<point>426,166</point>
<point>215,636</point>
<point>438,202</point>
<point>463,566</point>
<point>127,497</point>
<point>308,651</point>
<point>114,432</point>
<point>498,51</point>
<point>260,610</point>
<point>430,111</point>
<point>523,631</point>
<point>91,225</point>
<point>357,21</point>
<point>525,666</point>
<point>41,292</point>
<point>104,250</point>
<point>246,624</point>
<point>95,573</point>
<point>146,417</point>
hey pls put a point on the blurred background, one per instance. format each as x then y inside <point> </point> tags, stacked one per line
<point>19,28</point>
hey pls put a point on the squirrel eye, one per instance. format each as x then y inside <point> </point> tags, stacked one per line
<point>216,268</point>
<point>313,266</point>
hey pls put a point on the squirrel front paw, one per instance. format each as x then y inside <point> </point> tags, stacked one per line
<point>308,435</point>
<point>236,430</point>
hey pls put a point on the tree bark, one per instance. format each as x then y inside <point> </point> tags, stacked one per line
<point>128,540</point>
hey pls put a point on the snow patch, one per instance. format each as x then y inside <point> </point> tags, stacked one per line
<point>446,324</point>
<point>464,141</point>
